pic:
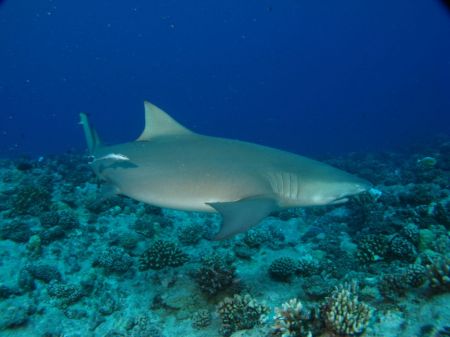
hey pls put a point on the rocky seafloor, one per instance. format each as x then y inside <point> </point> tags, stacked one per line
<point>75,264</point>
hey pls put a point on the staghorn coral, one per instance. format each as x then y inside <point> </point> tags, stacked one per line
<point>162,254</point>
<point>215,274</point>
<point>343,313</point>
<point>240,313</point>
<point>293,320</point>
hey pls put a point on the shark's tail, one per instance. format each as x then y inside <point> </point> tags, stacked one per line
<point>92,138</point>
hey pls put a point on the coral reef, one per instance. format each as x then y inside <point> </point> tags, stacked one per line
<point>44,272</point>
<point>439,273</point>
<point>16,231</point>
<point>201,319</point>
<point>162,254</point>
<point>191,234</point>
<point>293,320</point>
<point>30,200</point>
<point>240,313</point>
<point>372,248</point>
<point>402,249</point>
<point>344,314</point>
<point>66,294</point>
<point>264,235</point>
<point>216,273</point>
<point>114,260</point>
<point>72,258</point>
<point>283,269</point>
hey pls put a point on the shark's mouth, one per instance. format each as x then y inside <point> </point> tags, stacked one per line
<point>339,200</point>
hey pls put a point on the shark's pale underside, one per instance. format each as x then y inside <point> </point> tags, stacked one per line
<point>171,166</point>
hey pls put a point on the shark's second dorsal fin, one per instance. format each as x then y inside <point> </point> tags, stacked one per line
<point>92,138</point>
<point>159,123</point>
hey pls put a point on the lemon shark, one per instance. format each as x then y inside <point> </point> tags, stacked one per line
<point>172,167</point>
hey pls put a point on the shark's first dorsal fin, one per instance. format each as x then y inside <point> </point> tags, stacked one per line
<point>159,123</point>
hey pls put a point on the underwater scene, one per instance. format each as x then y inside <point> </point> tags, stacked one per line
<point>291,177</point>
<point>378,265</point>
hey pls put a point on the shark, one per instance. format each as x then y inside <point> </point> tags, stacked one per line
<point>171,166</point>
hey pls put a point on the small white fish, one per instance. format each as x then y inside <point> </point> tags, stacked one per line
<point>113,156</point>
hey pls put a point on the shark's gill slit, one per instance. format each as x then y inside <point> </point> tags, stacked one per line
<point>295,192</point>
<point>289,185</point>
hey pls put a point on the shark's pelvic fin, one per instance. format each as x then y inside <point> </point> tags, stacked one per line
<point>159,123</point>
<point>239,216</point>
<point>92,138</point>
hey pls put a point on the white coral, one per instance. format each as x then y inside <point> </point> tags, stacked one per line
<point>289,320</point>
<point>344,314</point>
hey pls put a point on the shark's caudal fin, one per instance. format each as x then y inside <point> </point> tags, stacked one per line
<point>92,139</point>
<point>159,123</point>
<point>239,216</point>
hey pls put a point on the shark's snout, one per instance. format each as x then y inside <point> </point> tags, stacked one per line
<point>344,190</point>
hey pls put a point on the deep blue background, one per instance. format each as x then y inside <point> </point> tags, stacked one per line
<point>311,77</point>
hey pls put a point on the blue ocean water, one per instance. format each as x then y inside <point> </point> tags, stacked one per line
<point>357,84</point>
<point>317,77</point>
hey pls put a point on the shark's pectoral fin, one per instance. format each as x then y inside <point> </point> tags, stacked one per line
<point>238,216</point>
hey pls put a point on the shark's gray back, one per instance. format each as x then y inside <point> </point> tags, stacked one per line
<point>186,171</point>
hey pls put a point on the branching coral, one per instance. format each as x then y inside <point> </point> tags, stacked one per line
<point>344,314</point>
<point>293,320</point>
<point>439,273</point>
<point>240,313</point>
